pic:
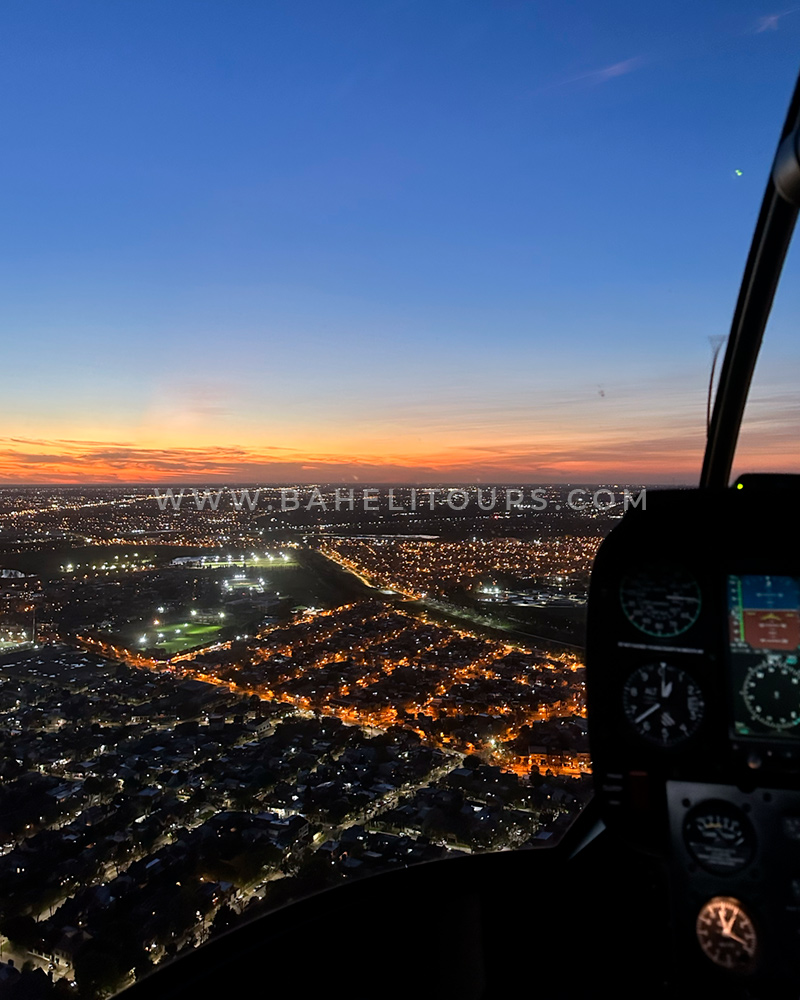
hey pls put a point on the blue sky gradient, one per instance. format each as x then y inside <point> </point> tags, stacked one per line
<point>442,238</point>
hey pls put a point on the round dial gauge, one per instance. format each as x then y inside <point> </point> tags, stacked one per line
<point>771,692</point>
<point>727,935</point>
<point>661,602</point>
<point>663,704</point>
<point>719,837</point>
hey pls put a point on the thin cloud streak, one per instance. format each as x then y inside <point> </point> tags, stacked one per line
<point>598,76</point>
<point>770,21</point>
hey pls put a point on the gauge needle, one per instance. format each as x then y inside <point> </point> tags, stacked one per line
<point>732,937</point>
<point>727,925</point>
<point>653,708</point>
<point>727,931</point>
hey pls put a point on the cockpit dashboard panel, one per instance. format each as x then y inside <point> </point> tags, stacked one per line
<point>693,692</point>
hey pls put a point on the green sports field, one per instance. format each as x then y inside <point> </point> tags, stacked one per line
<point>173,638</point>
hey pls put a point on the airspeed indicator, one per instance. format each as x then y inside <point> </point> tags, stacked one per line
<point>661,603</point>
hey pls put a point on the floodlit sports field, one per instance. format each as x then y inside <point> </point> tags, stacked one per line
<point>173,638</point>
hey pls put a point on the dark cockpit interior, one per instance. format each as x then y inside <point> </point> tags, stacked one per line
<point>682,877</point>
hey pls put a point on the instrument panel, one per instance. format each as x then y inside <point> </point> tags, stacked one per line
<point>763,648</point>
<point>693,692</point>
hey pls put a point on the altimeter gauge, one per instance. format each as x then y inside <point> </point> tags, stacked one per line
<point>727,934</point>
<point>663,704</point>
<point>771,693</point>
<point>719,837</point>
<point>660,602</point>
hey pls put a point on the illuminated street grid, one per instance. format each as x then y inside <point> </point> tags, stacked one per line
<point>217,746</point>
<point>143,810</point>
<point>437,568</point>
<point>116,516</point>
<point>372,665</point>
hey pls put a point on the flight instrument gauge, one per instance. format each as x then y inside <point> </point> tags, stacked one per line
<point>719,837</point>
<point>663,704</point>
<point>660,602</point>
<point>727,935</point>
<point>771,693</point>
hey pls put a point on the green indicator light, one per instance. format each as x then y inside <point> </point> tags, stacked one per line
<point>740,486</point>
